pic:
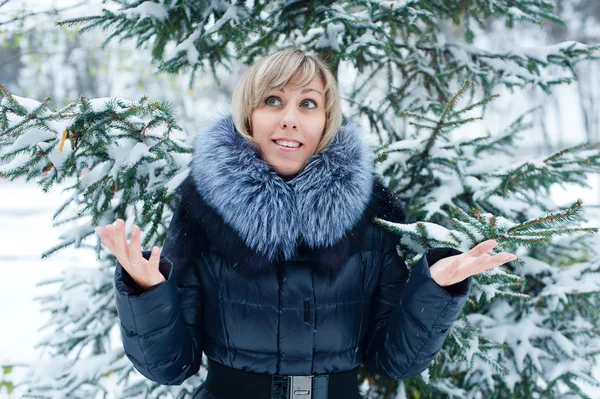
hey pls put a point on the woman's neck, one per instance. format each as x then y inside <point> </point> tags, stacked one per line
<point>287,178</point>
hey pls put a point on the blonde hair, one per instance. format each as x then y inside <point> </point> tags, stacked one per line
<point>275,71</point>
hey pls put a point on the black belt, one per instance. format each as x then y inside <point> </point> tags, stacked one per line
<point>233,384</point>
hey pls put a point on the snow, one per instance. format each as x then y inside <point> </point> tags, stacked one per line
<point>58,157</point>
<point>30,137</point>
<point>366,39</point>
<point>394,4</point>
<point>15,163</point>
<point>572,280</point>
<point>100,104</point>
<point>172,184</point>
<point>515,12</point>
<point>461,56</point>
<point>491,163</point>
<point>121,152</point>
<point>330,39</point>
<point>148,9</point>
<point>189,48</point>
<point>25,233</point>
<point>28,103</point>
<point>231,15</point>
<point>541,53</point>
<point>441,196</point>
<point>76,233</point>
<point>138,151</point>
<point>95,175</point>
<point>533,266</point>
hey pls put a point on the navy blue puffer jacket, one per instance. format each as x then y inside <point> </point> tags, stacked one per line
<point>285,277</point>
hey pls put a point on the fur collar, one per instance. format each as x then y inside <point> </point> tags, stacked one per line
<point>274,217</point>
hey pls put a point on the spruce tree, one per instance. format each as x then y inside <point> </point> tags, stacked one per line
<point>529,330</point>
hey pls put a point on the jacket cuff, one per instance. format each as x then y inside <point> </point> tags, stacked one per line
<point>423,297</point>
<point>125,283</point>
<point>432,255</point>
<point>144,312</point>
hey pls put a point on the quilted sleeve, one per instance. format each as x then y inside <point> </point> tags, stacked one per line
<point>411,318</point>
<point>161,328</point>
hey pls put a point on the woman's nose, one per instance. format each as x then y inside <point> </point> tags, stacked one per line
<point>289,119</point>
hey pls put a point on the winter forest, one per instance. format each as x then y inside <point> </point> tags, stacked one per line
<point>483,115</point>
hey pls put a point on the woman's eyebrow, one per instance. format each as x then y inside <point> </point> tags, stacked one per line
<point>309,90</point>
<point>306,90</point>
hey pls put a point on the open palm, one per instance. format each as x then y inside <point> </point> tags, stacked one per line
<point>143,271</point>
<point>454,269</point>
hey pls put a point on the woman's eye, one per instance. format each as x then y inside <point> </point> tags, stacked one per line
<point>272,101</point>
<point>314,104</point>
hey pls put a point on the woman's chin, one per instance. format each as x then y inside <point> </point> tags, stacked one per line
<point>286,172</point>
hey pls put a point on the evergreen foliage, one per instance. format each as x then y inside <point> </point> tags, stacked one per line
<point>400,42</point>
<point>523,319</point>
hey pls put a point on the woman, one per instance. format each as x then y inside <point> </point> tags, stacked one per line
<point>272,265</point>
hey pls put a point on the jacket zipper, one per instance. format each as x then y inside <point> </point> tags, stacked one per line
<point>306,311</point>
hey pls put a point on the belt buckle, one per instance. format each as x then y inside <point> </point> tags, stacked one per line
<point>301,386</point>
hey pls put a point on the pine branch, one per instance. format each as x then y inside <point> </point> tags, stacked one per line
<point>453,100</point>
<point>96,127</point>
<point>548,220</point>
<point>28,15</point>
<point>473,106</point>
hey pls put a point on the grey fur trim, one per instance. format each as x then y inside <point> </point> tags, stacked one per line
<point>272,216</point>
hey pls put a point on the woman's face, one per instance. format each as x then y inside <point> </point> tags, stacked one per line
<point>288,125</point>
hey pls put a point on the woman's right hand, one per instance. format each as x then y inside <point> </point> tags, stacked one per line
<point>144,272</point>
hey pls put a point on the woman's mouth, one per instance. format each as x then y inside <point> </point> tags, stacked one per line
<point>288,146</point>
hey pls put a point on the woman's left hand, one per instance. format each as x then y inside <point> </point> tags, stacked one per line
<point>454,269</point>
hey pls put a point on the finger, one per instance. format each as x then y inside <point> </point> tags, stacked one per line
<point>100,232</point>
<point>481,248</point>
<point>107,238</point>
<point>110,235</point>
<point>499,259</point>
<point>459,269</point>
<point>477,265</point>
<point>135,251</point>
<point>491,262</point>
<point>154,259</point>
<point>120,240</point>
